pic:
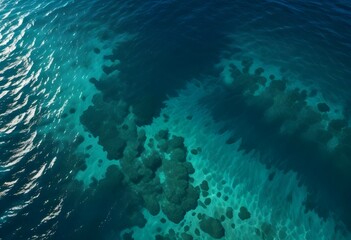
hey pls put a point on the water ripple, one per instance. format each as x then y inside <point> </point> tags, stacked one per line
<point>40,43</point>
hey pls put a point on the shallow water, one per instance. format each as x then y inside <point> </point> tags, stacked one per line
<point>81,81</point>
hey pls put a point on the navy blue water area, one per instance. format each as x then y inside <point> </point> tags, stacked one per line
<point>83,82</point>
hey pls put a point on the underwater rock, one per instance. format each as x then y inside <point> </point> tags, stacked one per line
<point>323,107</point>
<point>178,154</point>
<point>115,127</point>
<point>109,69</point>
<point>271,176</point>
<point>148,174</point>
<point>110,57</point>
<point>133,170</point>
<point>114,146</point>
<point>111,88</point>
<point>191,200</point>
<point>176,142</point>
<point>137,219</point>
<point>81,165</point>
<point>162,145</point>
<point>246,63</point>
<point>204,185</point>
<point>93,80</point>
<point>96,50</point>
<point>151,204</point>
<point>175,170</point>
<point>171,235</point>
<point>259,71</point>
<point>186,236</point>
<point>175,190</point>
<point>189,167</point>
<point>297,97</point>
<point>229,213</point>
<point>337,125</point>
<point>162,134</point>
<point>261,80</point>
<point>174,212</point>
<point>153,162</point>
<point>207,201</point>
<point>212,227</point>
<point>244,213</point>
<point>180,196</point>
<point>134,177</point>
<point>103,115</point>
<point>194,151</point>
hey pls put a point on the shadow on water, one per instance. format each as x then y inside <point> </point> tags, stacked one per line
<point>173,44</point>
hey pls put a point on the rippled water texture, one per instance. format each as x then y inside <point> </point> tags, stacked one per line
<point>74,74</point>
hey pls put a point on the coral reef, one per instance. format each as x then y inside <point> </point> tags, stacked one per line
<point>114,124</point>
<point>293,113</point>
<point>179,185</point>
<point>213,227</point>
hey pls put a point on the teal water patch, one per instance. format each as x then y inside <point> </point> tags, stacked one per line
<point>46,64</point>
<point>238,195</point>
<point>238,181</point>
<point>82,160</point>
<point>249,200</point>
<point>311,129</point>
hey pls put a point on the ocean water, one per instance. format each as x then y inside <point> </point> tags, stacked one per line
<point>175,119</point>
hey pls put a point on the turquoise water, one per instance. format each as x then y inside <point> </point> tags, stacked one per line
<point>175,120</point>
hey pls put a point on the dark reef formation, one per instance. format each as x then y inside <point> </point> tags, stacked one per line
<point>105,121</point>
<point>314,139</point>
<point>114,123</point>
<point>244,213</point>
<point>212,227</point>
<point>154,171</point>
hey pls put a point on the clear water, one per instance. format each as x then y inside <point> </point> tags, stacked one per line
<point>168,65</point>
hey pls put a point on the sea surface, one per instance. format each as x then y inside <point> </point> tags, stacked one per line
<point>175,119</point>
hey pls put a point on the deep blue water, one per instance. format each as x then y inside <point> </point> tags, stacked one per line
<point>55,56</point>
